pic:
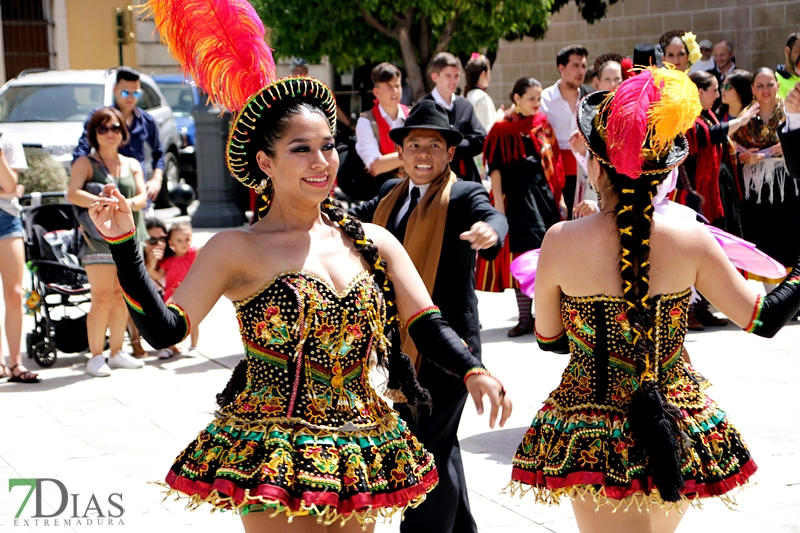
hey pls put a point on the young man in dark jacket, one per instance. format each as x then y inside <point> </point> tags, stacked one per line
<point>446,75</point>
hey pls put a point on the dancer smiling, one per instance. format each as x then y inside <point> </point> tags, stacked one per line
<point>300,430</point>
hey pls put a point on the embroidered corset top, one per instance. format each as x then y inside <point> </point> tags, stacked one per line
<point>307,348</point>
<point>602,371</point>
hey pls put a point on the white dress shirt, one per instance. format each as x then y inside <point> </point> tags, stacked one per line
<point>437,96</point>
<point>404,208</point>
<point>792,122</point>
<point>560,114</point>
<point>368,147</point>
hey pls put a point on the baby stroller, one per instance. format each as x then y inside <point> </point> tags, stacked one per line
<point>59,286</point>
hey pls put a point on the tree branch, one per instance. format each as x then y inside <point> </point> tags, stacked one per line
<point>378,25</point>
<point>447,35</point>
<point>424,40</point>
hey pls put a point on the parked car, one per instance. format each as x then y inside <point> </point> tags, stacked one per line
<point>183,96</point>
<point>47,108</point>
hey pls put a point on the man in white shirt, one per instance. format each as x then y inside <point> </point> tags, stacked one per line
<point>373,145</point>
<point>559,102</point>
<point>707,63</point>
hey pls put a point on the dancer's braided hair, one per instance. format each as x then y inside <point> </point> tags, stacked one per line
<point>654,422</point>
<point>402,375</point>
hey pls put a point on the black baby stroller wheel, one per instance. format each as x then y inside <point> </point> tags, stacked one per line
<point>41,349</point>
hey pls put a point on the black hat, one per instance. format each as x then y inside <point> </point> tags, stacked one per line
<point>644,55</point>
<point>427,115</point>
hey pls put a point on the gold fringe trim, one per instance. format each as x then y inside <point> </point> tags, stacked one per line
<point>326,516</point>
<point>638,500</point>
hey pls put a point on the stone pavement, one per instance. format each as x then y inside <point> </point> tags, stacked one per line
<point>108,437</point>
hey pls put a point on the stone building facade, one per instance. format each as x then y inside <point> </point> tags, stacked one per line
<point>757,28</point>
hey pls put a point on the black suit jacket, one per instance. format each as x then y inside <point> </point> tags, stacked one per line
<point>463,118</point>
<point>454,288</point>
<point>791,150</point>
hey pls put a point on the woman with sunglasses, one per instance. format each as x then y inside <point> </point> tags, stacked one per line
<point>107,132</point>
<point>771,206</point>
<point>736,92</point>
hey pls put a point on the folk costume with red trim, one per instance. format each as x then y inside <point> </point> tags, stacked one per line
<point>582,441</point>
<point>306,434</point>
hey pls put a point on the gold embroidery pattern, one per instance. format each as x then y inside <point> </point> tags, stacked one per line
<point>580,439</point>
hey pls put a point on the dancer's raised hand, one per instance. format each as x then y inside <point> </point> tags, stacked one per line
<point>111,213</point>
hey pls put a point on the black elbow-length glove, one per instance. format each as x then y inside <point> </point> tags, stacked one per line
<point>439,344</point>
<point>777,308</point>
<point>162,325</point>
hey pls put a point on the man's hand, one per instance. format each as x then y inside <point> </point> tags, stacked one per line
<point>19,191</point>
<point>792,100</point>
<point>481,236</point>
<point>153,186</point>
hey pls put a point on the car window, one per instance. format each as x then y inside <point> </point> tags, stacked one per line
<point>149,99</point>
<point>179,97</point>
<point>49,103</point>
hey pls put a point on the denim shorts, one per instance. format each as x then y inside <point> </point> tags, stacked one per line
<point>10,226</point>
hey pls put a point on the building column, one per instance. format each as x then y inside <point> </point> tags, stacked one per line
<point>60,41</point>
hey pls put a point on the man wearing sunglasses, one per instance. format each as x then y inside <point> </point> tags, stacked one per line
<point>142,128</point>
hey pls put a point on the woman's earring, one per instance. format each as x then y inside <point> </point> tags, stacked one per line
<point>599,198</point>
<point>517,109</point>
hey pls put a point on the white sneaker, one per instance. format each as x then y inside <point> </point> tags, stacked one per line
<point>97,367</point>
<point>124,360</point>
<point>192,352</point>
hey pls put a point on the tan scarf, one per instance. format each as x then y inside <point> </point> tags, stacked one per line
<point>424,233</point>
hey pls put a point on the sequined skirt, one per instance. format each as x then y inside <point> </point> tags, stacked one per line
<point>591,451</point>
<point>288,467</point>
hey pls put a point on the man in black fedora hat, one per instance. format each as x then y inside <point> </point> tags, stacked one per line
<point>442,221</point>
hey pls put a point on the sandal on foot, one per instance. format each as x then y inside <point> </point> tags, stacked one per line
<point>24,376</point>
<point>166,353</point>
<point>4,371</point>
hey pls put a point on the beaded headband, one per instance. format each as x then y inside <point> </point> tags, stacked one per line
<point>264,107</point>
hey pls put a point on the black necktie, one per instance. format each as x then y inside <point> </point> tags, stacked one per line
<point>400,233</point>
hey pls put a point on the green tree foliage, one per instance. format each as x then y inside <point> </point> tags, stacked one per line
<point>352,33</point>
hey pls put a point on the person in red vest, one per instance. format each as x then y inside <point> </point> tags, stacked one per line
<point>374,147</point>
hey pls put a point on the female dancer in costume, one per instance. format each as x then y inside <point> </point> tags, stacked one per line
<point>771,207</point>
<point>630,424</point>
<point>300,430</point>
<point>527,178</point>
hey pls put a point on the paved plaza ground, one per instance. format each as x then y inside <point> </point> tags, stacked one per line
<point>109,437</point>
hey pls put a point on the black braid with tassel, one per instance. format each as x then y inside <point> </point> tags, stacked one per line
<point>655,423</point>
